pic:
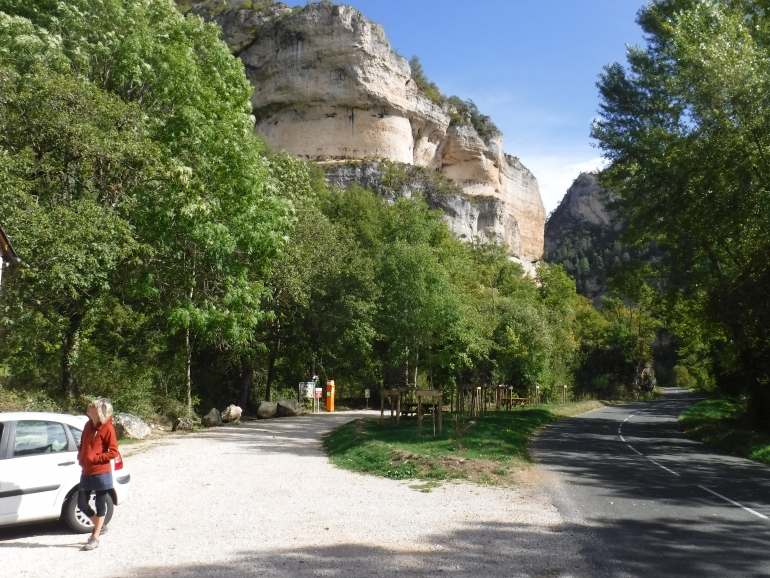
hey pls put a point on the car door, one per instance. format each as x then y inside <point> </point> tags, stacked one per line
<point>38,463</point>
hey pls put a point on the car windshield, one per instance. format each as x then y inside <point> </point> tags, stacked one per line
<point>38,437</point>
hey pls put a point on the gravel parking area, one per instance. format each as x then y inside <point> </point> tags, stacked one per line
<point>261,499</point>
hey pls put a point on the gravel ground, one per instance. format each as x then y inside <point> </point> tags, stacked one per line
<point>261,499</point>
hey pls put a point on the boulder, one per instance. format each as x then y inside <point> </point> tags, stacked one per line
<point>289,408</point>
<point>212,418</point>
<point>130,427</point>
<point>182,424</point>
<point>232,413</point>
<point>266,410</point>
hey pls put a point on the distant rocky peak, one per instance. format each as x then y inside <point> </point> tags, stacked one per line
<point>585,205</point>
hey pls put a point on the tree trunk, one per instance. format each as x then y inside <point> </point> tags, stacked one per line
<point>244,385</point>
<point>271,367</point>
<point>69,386</point>
<point>416,363</point>
<point>188,362</point>
<point>406,374</point>
<point>188,353</point>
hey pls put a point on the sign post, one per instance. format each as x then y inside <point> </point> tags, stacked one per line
<point>319,392</point>
<point>367,395</point>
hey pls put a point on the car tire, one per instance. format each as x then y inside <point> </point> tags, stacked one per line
<point>77,520</point>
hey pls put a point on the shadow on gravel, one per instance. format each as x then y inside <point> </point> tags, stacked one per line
<point>483,551</point>
<point>54,528</point>
<point>496,551</point>
<point>299,436</point>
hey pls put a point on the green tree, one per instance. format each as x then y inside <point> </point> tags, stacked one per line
<point>213,217</point>
<point>686,128</point>
<point>74,158</point>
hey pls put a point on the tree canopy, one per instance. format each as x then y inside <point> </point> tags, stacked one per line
<point>686,127</point>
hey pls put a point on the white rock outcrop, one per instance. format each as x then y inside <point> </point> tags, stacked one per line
<point>328,87</point>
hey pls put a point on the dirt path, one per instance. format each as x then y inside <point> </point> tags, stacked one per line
<point>261,499</point>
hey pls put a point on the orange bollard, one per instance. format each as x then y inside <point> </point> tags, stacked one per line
<point>329,395</point>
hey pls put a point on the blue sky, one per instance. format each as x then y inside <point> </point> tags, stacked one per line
<point>531,65</point>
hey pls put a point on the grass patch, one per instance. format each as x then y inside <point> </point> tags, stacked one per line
<point>490,451</point>
<point>721,422</point>
<point>128,442</point>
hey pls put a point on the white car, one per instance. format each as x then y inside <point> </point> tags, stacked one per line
<point>39,470</point>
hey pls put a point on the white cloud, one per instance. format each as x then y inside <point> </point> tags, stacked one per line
<point>555,174</point>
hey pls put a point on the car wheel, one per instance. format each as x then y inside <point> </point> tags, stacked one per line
<point>78,521</point>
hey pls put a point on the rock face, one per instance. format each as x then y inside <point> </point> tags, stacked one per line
<point>289,408</point>
<point>328,87</point>
<point>584,205</point>
<point>266,410</point>
<point>212,418</point>
<point>130,427</point>
<point>232,413</point>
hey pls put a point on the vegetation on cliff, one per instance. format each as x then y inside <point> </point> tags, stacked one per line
<point>462,111</point>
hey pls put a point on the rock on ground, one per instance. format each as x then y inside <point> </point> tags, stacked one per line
<point>232,413</point>
<point>212,418</point>
<point>130,427</point>
<point>289,408</point>
<point>182,424</point>
<point>266,410</point>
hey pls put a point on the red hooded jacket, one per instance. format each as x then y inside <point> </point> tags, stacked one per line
<point>98,446</point>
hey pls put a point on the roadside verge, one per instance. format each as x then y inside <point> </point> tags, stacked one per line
<point>490,448</point>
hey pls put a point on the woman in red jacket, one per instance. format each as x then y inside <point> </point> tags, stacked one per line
<point>98,446</point>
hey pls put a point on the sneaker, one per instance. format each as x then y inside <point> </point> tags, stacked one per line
<point>92,544</point>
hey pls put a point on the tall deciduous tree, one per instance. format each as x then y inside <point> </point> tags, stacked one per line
<point>218,219</point>
<point>74,157</point>
<point>687,130</point>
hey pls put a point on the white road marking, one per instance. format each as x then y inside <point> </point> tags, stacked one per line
<point>679,475</point>
<point>662,466</point>
<point>734,503</point>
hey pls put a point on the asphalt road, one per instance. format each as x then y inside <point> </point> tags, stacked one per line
<point>644,500</point>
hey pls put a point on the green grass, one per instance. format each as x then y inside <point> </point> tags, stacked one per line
<point>489,451</point>
<point>128,442</point>
<point>721,423</point>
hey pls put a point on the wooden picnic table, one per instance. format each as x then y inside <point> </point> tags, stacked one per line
<point>394,395</point>
<point>437,397</point>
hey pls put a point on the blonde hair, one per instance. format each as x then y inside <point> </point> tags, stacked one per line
<point>103,408</point>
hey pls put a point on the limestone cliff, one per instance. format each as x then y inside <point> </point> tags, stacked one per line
<point>584,205</point>
<point>328,87</point>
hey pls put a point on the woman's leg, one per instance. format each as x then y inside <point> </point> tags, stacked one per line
<point>83,497</point>
<point>101,512</point>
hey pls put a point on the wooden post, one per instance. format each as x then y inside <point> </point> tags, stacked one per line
<point>398,408</point>
<point>419,415</point>
<point>382,405</point>
<point>440,411</point>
